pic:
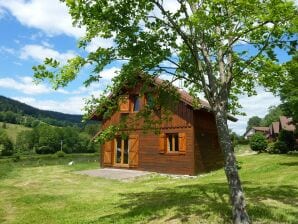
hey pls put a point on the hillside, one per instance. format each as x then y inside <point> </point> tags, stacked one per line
<point>16,107</point>
<point>13,130</point>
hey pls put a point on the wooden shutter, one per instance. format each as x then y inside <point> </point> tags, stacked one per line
<point>107,154</point>
<point>162,143</point>
<point>182,143</point>
<point>133,145</point>
<point>124,103</point>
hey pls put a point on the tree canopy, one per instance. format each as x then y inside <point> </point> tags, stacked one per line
<point>253,121</point>
<point>289,89</point>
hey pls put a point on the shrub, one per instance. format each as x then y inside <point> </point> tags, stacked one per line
<point>280,147</point>
<point>258,142</point>
<point>288,138</point>
<point>271,149</point>
<point>44,150</point>
<point>6,145</point>
<point>60,154</point>
<point>243,141</point>
<point>16,157</point>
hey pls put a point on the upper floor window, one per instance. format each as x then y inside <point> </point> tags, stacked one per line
<point>136,103</point>
<point>149,100</point>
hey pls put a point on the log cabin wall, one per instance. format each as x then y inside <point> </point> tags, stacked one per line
<point>150,157</point>
<point>207,153</point>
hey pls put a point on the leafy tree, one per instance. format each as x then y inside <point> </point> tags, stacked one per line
<point>220,48</point>
<point>288,138</point>
<point>26,140</point>
<point>4,126</point>
<point>253,121</point>
<point>50,137</point>
<point>289,89</point>
<point>91,129</point>
<point>6,145</point>
<point>273,114</point>
<point>258,142</point>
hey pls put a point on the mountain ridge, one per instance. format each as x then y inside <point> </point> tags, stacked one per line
<point>15,106</point>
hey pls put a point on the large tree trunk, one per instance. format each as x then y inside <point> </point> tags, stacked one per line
<point>236,192</point>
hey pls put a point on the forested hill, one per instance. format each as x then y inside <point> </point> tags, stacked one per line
<point>13,109</point>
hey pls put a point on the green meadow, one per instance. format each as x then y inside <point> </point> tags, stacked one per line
<point>47,190</point>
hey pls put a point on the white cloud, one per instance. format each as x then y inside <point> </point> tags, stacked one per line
<point>25,85</point>
<point>50,16</point>
<point>39,53</point>
<point>253,106</point>
<point>99,42</point>
<point>109,73</point>
<point>71,105</point>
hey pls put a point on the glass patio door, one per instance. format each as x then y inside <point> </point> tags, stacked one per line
<point>122,152</point>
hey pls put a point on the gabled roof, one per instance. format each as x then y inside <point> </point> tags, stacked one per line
<point>275,126</point>
<point>264,129</point>
<point>286,123</point>
<point>184,97</point>
<point>188,99</point>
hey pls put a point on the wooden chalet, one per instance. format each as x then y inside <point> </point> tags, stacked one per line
<point>284,123</point>
<point>253,130</point>
<point>188,144</point>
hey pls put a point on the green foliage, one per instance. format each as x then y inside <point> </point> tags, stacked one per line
<point>258,142</point>
<point>273,114</point>
<point>91,129</point>
<point>289,89</point>
<point>4,126</point>
<point>46,139</point>
<point>14,112</point>
<point>254,121</point>
<point>25,141</point>
<point>60,154</point>
<point>6,145</point>
<point>280,147</point>
<point>288,138</point>
<point>272,148</point>
<point>44,150</point>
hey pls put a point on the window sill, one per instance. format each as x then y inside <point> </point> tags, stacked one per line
<point>174,153</point>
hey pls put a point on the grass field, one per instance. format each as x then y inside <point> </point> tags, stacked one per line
<point>43,193</point>
<point>12,130</point>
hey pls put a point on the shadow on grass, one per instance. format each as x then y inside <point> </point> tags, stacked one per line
<point>205,201</point>
<point>289,164</point>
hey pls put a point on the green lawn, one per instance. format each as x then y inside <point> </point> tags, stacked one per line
<point>12,130</point>
<point>31,193</point>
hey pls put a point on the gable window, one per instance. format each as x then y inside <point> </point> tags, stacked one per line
<point>149,100</point>
<point>136,103</point>
<point>172,143</point>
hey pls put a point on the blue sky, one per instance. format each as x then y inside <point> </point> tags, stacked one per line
<point>35,29</point>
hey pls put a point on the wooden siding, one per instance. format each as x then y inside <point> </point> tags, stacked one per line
<point>208,155</point>
<point>181,118</point>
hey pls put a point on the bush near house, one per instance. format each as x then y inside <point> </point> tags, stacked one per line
<point>258,142</point>
<point>288,138</point>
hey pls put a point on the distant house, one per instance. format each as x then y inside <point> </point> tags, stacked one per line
<point>187,144</point>
<point>284,123</point>
<point>253,130</point>
<point>274,128</point>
